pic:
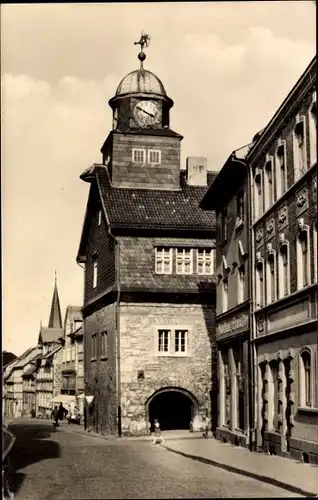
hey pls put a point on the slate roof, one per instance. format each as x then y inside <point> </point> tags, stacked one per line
<point>152,208</point>
<point>55,320</point>
<point>48,335</point>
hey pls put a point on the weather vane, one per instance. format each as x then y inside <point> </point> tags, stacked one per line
<point>143,42</point>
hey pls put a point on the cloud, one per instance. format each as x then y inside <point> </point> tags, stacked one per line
<point>227,68</point>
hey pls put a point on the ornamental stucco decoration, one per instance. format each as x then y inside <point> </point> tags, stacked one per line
<point>260,324</point>
<point>270,226</point>
<point>301,223</point>
<point>301,197</point>
<point>259,235</point>
<point>282,238</point>
<point>282,215</point>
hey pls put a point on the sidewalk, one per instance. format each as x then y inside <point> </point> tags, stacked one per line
<point>286,473</point>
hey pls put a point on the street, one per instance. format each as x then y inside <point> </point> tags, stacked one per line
<point>62,463</point>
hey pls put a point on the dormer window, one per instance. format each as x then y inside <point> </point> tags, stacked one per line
<point>154,156</point>
<point>139,155</point>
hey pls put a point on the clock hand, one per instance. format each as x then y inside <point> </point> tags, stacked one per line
<point>147,112</point>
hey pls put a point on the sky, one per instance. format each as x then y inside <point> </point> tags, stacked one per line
<point>227,66</point>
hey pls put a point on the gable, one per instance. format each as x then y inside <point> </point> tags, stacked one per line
<point>93,204</point>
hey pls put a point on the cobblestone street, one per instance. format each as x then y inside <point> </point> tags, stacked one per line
<point>58,464</point>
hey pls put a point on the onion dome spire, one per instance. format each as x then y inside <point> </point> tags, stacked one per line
<point>143,42</point>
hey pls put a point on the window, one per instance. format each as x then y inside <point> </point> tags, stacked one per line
<point>139,155</point>
<point>95,272</point>
<point>300,165</point>
<point>260,284</point>
<point>241,283</point>
<point>154,156</point>
<point>283,264</point>
<point>313,130</point>
<point>172,342</point>
<point>80,370</point>
<point>68,354</point>
<point>73,353</point>
<point>163,340</point>
<point>163,260</point>
<point>99,217</point>
<point>181,340</point>
<point>240,207</point>
<point>225,294</point>
<point>94,346</point>
<point>281,169</point>
<point>276,387</point>
<point>224,222</point>
<point>305,379</point>
<point>205,261</point>
<point>258,194</point>
<point>184,261</point>
<point>269,184</point>
<point>303,258</point>
<point>80,347</point>
<point>271,278</point>
<point>103,344</point>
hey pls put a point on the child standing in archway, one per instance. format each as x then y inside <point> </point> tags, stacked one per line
<point>158,439</point>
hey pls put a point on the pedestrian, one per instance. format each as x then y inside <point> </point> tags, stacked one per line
<point>59,415</point>
<point>54,416</point>
<point>158,438</point>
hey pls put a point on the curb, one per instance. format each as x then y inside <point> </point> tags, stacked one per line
<point>253,475</point>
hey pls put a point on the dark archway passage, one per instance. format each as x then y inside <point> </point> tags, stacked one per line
<point>173,409</point>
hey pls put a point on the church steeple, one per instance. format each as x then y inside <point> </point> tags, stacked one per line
<point>55,320</point>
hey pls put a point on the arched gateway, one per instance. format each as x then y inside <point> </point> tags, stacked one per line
<point>174,407</point>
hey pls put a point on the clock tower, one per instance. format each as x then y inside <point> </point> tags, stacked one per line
<point>142,151</point>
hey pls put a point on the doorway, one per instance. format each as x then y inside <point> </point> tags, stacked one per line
<point>174,408</point>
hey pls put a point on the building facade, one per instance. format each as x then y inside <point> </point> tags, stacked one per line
<point>283,163</point>
<point>49,376</point>
<point>73,355</point>
<point>229,197</point>
<point>148,252</point>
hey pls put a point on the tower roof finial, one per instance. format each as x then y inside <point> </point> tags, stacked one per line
<point>143,42</point>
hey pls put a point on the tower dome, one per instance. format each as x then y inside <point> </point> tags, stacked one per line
<point>141,81</point>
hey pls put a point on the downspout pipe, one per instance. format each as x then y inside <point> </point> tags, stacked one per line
<point>252,366</point>
<point>117,313</point>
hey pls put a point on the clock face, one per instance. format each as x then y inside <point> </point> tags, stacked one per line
<point>147,113</point>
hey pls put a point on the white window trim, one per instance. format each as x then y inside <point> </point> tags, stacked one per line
<point>171,341</point>
<point>210,252</point>
<point>225,294</point>
<point>258,290</point>
<point>267,185</point>
<point>300,272</point>
<point>241,284</point>
<point>297,172</point>
<point>271,253</point>
<point>154,151</point>
<point>170,253</point>
<point>139,150</point>
<point>281,285</point>
<point>312,131</point>
<point>95,272</point>
<point>281,145</point>
<point>259,194</point>
<point>99,217</point>
<point>302,382</point>
<point>191,261</point>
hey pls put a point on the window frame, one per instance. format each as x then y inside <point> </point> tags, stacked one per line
<point>240,208</point>
<point>281,166</point>
<point>170,334</point>
<point>304,231</point>
<point>299,158</point>
<point>271,276</point>
<point>157,256</point>
<point>241,283</point>
<point>95,272</point>
<point>136,151</point>
<point>315,250</point>
<point>306,389</point>
<point>259,194</point>
<point>211,256</point>
<point>99,217</point>
<point>154,151</point>
<point>260,283</point>
<point>283,285</point>
<point>104,344</point>
<point>269,186</point>
<point>225,293</point>
<point>94,352</point>
<point>183,260</point>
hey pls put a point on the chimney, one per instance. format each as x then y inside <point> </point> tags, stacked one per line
<point>197,171</point>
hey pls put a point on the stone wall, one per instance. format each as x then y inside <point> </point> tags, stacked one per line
<point>138,328</point>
